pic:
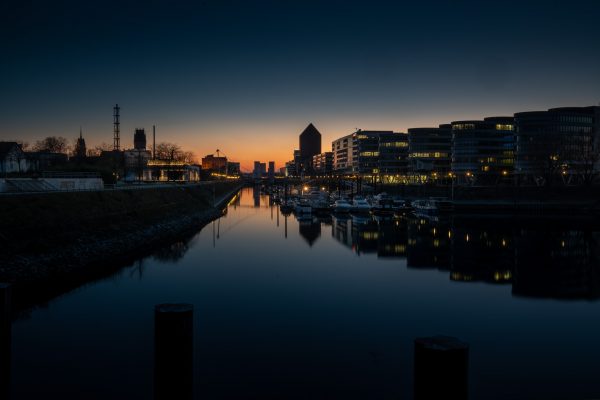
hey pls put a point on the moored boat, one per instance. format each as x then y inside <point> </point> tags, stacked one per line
<point>432,206</point>
<point>342,206</point>
<point>360,205</point>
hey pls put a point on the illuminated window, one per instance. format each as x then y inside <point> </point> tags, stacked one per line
<point>505,127</point>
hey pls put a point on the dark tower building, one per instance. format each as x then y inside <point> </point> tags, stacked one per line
<point>139,139</point>
<point>310,145</point>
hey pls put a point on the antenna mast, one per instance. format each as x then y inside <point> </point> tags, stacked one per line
<point>116,129</point>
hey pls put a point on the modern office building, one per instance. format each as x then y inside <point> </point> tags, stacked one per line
<point>367,150</point>
<point>561,143</point>
<point>393,157</point>
<point>430,153</point>
<point>343,150</point>
<point>323,163</point>
<point>256,172</point>
<point>483,151</point>
<point>310,145</point>
<point>379,155</point>
<point>271,170</point>
<point>260,169</point>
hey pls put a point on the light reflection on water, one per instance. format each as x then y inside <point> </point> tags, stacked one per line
<point>328,307</point>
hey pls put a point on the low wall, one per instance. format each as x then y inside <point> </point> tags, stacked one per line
<point>75,183</point>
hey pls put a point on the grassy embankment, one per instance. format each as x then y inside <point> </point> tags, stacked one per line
<point>55,241</point>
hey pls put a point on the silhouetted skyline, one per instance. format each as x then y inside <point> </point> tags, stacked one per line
<point>239,75</point>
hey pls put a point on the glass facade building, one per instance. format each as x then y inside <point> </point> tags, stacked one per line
<point>430,152</point>
<point>560,142</point>
<point>483,151</point>
<point>393,157</point>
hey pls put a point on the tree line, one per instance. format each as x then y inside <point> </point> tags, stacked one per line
<point>58,144</point>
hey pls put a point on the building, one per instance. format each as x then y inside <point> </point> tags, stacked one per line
<point>256,174</point>
<point>172,171</point>
<point>557,144</point>
<point>271,171</point>
<point>233,168</point>
<point>214,164</point>
<point>323,163</point>
<point>290,168</point>
<point>135,161</point>
<point>80,150</point>
<point>310,145</point>
<point>429,153</point>
<point>43,160</point>
<point>139,139</point>
<point>483,151</point>
<point>135,164</point>
<point>368,160</point>
<point>367,150</point>
<point>260,169</point>
<point>393,157</point>
<point>379,155</point>
<point>12,158</point>
<point>343,150</point>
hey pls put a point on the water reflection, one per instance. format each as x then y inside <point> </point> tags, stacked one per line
<point>172,252</point>
<point>286,309</point>
<point>310,229</point>
<point>540,258</point>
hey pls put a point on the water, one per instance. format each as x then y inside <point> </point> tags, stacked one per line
<point>329,308</point>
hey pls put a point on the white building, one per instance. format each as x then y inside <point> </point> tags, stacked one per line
<point>12,158</point>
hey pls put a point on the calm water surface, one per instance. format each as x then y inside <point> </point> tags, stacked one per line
<point>329,308</point>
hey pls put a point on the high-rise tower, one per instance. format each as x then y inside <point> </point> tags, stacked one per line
<point>139,139</point>
<point>310,145</point>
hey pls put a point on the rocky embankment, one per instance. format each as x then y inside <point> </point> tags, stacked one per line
<point>54,242</point>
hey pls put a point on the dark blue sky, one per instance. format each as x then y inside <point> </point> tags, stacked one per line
<point>225,73</point>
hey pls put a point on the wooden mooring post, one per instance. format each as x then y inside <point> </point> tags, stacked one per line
<point>5,338</point>
<point>441,368</point>
<point>173,351</point>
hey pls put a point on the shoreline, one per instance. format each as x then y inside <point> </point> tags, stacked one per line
<point>38,278</point>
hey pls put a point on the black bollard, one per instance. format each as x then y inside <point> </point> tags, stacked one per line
<point>5,339</point>
<point>441,368</point>
<point>173,351</point>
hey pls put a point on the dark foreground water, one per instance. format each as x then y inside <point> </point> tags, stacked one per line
<point>329,308</point>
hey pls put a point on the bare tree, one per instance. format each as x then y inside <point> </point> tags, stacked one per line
<point>168,151</point>
<point>547,158</point>
<point>52,144</point>
<point>188,157</point>
<point>588,157</point>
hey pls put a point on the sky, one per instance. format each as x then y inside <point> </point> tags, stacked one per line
<point>246,77</point>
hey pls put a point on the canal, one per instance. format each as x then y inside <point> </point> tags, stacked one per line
<point>329,308</point>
